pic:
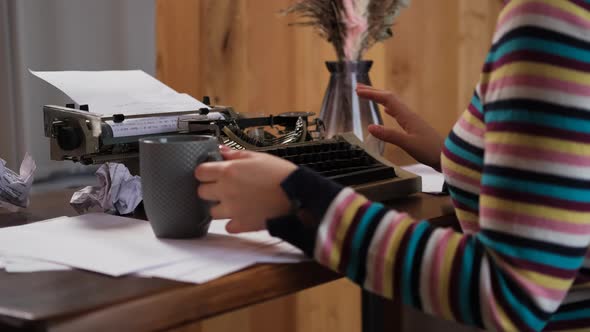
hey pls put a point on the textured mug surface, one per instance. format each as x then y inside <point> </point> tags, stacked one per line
<point>167,165</point>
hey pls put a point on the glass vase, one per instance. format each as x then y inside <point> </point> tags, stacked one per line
<point>343,111</point>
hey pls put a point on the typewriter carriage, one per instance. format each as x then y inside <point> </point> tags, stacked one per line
<point>86,137</point>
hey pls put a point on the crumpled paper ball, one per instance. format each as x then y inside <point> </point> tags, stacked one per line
<point>118,191</point>
<point>15,188</point>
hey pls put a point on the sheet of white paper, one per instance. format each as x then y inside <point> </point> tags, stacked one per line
<point>198,270</point>
<point>220,269</point>
<point>151,125</point>
<point>432,181</point>
<point>144,126</point>
<point>26,265</point>
<point>283,253</point>
<point>129,92</point>
<point>273,250</point>
<point>138,104</point>
<point>116,246</point>
<point>96,242</point>
<point>267,250</point>
<point>170,271</point>
<point>261,237</point>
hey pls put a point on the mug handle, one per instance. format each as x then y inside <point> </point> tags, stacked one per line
<point>214,156</point>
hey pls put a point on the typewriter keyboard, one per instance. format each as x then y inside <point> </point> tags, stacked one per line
<point>337,159</point>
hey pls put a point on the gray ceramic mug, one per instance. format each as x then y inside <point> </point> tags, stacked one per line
<point>166,166</point>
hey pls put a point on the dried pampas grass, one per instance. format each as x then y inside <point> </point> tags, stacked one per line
<point>351,26</point>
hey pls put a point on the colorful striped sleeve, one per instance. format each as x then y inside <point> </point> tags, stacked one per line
<point>533,204</point>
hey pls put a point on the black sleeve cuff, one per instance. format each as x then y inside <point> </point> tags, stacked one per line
<point>292,230</point>
<point>311,191</point>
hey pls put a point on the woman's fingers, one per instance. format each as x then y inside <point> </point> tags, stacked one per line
<point>208,192</point>
<point>389,135</point>
<point>362,86</point>
<point>247,186</point>
<point>241,226</point>
<point>215,170</point>
<point>378,96</point>
<point>234,226</point>
<point>229,154</point>
<point>393,106</point>
<point>220,211</point>
<point>211,171</point>
<point>213,192</point>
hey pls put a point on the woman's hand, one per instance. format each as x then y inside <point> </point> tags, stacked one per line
<point>247,186</point>
<point>418,138</point>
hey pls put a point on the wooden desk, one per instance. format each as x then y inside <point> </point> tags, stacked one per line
<point>84,301</point>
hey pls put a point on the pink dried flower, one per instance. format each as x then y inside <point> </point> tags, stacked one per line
<point>352,26</point>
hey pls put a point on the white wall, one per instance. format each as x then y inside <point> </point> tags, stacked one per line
<point>62,35</point>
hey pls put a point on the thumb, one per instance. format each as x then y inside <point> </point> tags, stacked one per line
<point>240,226</point>
<point>229,154</point>
<point>233,226</point>
<point>388,135</point>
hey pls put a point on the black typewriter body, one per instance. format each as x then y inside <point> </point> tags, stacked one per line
<point>344,160</point>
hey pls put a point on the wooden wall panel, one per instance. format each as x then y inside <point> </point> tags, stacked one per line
<point>243,54</point>
<point>177,36</point>
<point>421,65</point>
<point>331,307</point>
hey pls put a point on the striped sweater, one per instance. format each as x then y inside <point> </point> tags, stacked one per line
<point>518,168</point>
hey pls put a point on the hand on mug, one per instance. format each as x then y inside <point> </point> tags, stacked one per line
<point>247,186</point>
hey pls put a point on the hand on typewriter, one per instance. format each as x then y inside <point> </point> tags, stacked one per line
<point>418,138</point>
<point>247,186</point>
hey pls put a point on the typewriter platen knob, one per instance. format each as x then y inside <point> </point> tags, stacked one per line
<point>69,138</point>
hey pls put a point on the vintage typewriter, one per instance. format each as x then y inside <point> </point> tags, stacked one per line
<point>81,136</point>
